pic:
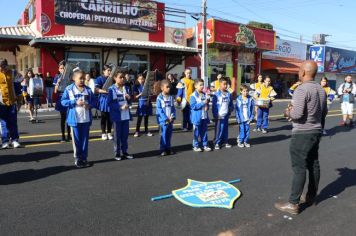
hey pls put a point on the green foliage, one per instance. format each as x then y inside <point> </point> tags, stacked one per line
<point>260,25</point>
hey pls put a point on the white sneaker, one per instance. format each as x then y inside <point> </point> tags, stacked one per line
<point>197,149</point>
<point>228,145</point>
<point>217,147</point>
<point>247,145</point>
<point>149,134</point>
<point>16,144</point>
<point>240,145</point>
<point>324,132</point>
<point>104,137</point>
<point>5,145</point>
<point>117,158</point>
<point>136,134</point>
<point>110,137</point>
<point>207,149</point>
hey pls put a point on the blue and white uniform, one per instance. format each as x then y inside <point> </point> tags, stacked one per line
<point>244,115</point>
<point>59,107</point>
<point>120,118</point>
<point>143,109</point>
<point>199,118</point>
<point>222,106</point>
<point>79,118</point>
<point>103,98</point>
<point>165,109</point>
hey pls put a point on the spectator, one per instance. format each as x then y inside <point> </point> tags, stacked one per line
<point>49,89</point>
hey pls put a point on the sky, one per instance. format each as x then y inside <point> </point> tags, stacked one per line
<point>291,18</point>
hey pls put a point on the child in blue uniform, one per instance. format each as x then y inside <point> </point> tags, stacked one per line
<point>61,109</point>
<point>244,116</point>
<point>166,114</point>
<point>118,102</point>
<point>199,105</point>
<point>79,99</point>
<point>222,106</point>
<point>103,104</point>
<point>144,108</point>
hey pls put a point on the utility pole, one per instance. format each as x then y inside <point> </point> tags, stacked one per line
<point>204,57</point>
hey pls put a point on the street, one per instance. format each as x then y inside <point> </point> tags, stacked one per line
<point>42,193</point>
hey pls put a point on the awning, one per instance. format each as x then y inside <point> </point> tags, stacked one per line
<point>21,32</point>
<point>109,42</point>
<point>286,66</point>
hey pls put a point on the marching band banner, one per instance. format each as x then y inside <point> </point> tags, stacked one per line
<point>120,14</point>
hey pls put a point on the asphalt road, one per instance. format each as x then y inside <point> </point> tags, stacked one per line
<point>43,194</point>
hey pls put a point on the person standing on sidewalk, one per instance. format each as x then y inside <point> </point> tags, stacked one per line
<point>309,106</point>
<point>347,92</point>
<point>49,89</point>
<point>8,109</point>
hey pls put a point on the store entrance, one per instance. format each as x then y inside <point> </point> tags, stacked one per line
<point>87,60</point>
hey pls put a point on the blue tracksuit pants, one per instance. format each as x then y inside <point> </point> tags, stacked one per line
<point>121,136</point>
<point>262,118</point>
<point>9,115</point>
<point>166,136</point>
<point>4,132</point>
<point>80,140</point>
<point>201,131</point>
<point>222,131</point>
<point>244,133</point>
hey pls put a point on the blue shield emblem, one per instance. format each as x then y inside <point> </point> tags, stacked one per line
<point>207,194</point>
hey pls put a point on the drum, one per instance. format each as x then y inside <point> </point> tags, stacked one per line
<point>91,85</point>
<point>263,103</point>
<point>67,77</point>
<point>36,87</point>
<point>181,105</point>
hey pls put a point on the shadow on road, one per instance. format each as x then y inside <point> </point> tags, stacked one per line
<point>346,179</point>
<point>269,139</point>
<point>23,176</point>
<point>30,157</point>
<point>338,129</point>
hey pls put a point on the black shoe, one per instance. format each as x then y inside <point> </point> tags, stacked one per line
<point>79,163</point>
<point>127,156</point>
<point>85,163</point>
<point>170,152</point>
<point>63,140</point>
<point>163,154</point>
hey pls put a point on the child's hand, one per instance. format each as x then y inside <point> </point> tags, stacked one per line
<point>125,107</point>
<point>86,106</point>
<point>206,108</point>
<point>80,103</point>
<point>127,97</point>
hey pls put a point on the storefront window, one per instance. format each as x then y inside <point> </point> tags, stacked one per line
<point>135,63</point>
<point>247,73</point>
<point>86,60</point>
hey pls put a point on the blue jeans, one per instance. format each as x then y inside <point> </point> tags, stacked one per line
<point>4,132</point>
<point>262,118</point>
<point>49,92</point>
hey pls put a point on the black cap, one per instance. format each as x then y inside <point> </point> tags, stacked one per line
<point>3,62</point>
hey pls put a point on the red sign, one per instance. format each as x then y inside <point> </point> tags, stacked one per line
<point>238,34</point>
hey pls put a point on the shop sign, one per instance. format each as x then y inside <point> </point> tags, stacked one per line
<point>120,14</point>
<point>317,54</point>
<point>45,23</point>
<point>176,36</point>
<point>340,61</point>
<point>287,49</point>
<point>239,35</point>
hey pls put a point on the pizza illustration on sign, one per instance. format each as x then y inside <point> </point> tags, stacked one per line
<point>246,37</point>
